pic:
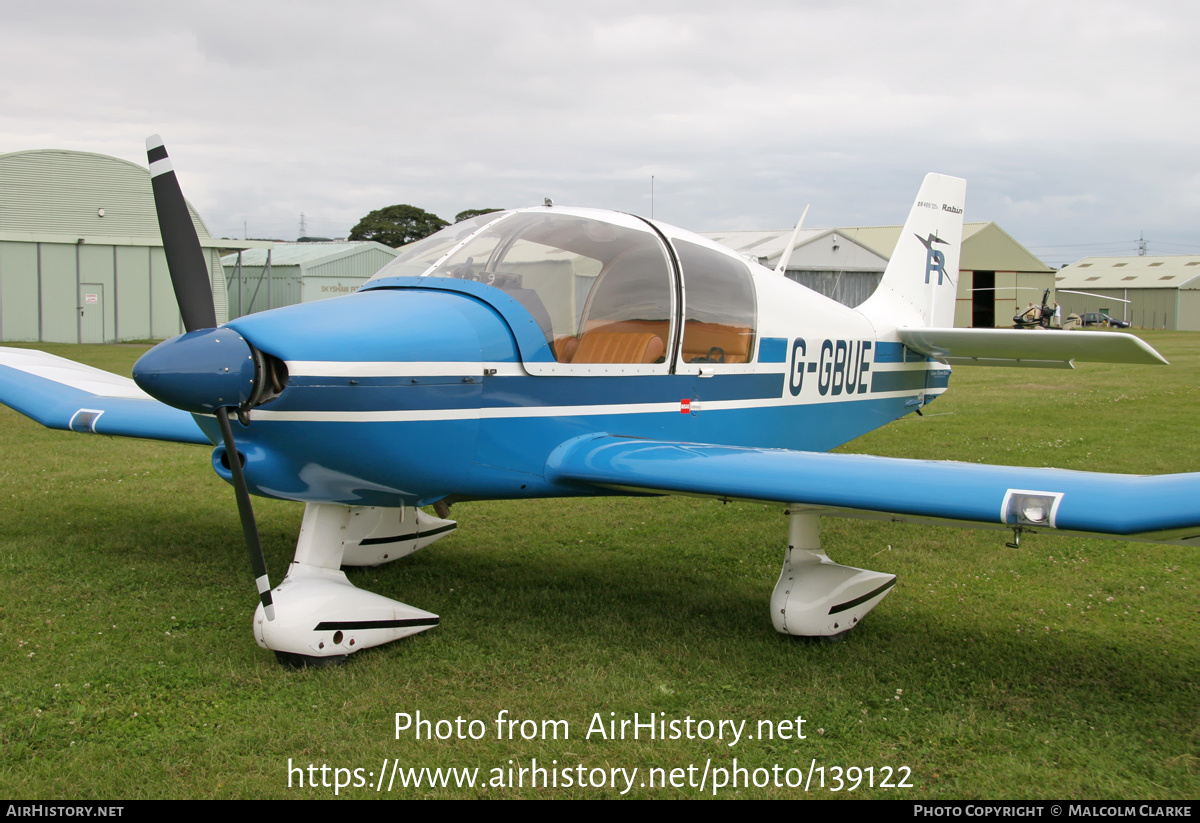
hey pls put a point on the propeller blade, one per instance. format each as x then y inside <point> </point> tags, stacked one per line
<point>185,258</point>
<point>246,511</point>
<point>193,292</point>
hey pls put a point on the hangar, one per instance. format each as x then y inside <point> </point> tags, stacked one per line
<point>828,261</point>
<point>1162,292</point>
<point>261,279</point>
<point>81,259</point>
<point>999,275</point>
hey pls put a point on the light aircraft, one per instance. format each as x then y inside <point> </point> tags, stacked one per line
<point>558,351</point>
<point>1036,317</point>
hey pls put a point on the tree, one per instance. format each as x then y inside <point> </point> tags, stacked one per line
<point>397,225</point>
<point>469,213</point>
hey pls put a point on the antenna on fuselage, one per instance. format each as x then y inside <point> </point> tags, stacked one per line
<point>787,252</point>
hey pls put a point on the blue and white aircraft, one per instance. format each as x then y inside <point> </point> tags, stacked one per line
<point>555,351</point>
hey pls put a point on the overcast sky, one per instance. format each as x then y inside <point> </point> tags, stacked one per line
<point>1075,123</point>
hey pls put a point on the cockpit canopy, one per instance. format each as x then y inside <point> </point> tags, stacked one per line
<point>602,286</point>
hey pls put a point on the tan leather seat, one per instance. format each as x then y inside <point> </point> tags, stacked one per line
<point>618,347</point>
<point>565,346</point>
<point>733,342</point>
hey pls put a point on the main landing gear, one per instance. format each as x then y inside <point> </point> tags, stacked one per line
<point>816,597</point>
<point>321,617</point>
<point>319,614</point>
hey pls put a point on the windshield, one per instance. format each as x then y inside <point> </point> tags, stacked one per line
<point>415,258</point>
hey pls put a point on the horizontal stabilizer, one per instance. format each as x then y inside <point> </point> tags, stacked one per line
<point>1130,506</point>
<point>63,394</point>
<point>1016,347</point>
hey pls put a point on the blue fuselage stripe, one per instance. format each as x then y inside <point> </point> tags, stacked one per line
<point>515,391</point>
<point>897,353</point>
<point>885,381</point>
<point>773,350</point>
<point>889,352</point>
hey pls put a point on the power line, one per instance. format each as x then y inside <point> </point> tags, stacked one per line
<point>1120,243</point>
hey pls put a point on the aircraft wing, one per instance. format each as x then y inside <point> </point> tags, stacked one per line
<point>63,394</point>
<point>1046,348</point>
<point>1162,508</point>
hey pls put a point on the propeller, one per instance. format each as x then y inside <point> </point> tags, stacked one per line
<point>200,372</point>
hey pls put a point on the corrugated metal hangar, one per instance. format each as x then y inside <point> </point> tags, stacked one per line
<point>261,279</point>
<point>826,260</point>
<point>1162,292</point>
<point>998,273</point>
<point>81,259</point>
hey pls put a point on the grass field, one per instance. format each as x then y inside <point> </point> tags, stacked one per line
<point>1067,668</point>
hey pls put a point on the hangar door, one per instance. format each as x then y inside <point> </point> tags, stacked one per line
<point>91,312</point>
<point>983,300</point>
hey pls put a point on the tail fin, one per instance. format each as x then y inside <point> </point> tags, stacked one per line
<point>920,283</point>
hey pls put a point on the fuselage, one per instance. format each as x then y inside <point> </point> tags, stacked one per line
<point>460,368</point>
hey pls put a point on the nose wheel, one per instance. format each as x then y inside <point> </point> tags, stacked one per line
<point>320,616</point>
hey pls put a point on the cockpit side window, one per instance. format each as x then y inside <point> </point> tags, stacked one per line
<point>629,307</point>
<point>601,293</point>
<point>720,310</point>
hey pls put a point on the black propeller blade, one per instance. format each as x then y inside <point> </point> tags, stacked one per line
<point>189,276</point>
<point>185,258</point>
<point>246,511</point>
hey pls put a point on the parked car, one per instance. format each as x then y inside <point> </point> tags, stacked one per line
<point>1095,318</point>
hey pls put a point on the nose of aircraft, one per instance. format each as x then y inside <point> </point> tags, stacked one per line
<point>199,371</point>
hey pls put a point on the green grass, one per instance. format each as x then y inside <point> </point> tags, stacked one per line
<point>1065,669</point>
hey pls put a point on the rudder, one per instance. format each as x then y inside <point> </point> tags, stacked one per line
<point>920,283</point>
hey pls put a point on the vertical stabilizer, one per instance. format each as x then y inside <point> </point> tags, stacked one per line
<point>920,283</point>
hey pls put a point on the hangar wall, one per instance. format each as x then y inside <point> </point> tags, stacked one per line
<point>1146,309</point>
<point>1189,310</point>
<point>1149,292</point>
<point>848,288</point>
<point>88,293</point>
<point>261,279</point>
<point>81,258</point>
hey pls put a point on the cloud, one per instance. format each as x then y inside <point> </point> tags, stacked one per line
<point>746,113</point>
